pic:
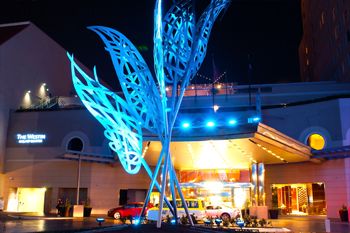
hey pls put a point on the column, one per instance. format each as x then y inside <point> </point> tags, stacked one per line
<point>261,184</point>
<point>254,183</point>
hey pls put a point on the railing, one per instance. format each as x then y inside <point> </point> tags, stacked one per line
<point>47,102</point>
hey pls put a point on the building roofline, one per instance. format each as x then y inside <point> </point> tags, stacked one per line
<point>15,24</point>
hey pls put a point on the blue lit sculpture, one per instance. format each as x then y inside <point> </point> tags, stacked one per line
<point>180,46</point>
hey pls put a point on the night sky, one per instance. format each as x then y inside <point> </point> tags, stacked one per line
<point>269,31</point>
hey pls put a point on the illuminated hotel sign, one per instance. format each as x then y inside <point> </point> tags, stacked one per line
<point>30,138</point>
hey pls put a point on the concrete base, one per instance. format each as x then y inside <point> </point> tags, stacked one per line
<point>78,211</point>
<point>262,212</point>
<point>252,211</point>
<point>259,211</point>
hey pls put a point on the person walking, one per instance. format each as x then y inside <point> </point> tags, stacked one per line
<point>59,207</point>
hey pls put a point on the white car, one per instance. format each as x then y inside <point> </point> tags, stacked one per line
<point>222,211</point>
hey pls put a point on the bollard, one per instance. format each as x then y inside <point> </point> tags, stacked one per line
<point>328,225</point>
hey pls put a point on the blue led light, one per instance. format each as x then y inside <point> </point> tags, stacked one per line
<point>256,119</point>
<point>210,124</point>
<point>232,122</point>
<point>185,125</point>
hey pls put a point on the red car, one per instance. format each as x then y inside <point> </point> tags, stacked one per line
<point>133,209</point>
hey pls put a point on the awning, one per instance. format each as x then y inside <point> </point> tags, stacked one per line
<point>88,157</point>
<point>332,153</point>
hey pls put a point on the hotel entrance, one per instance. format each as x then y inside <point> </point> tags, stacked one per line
<point>299,199</point>
<point>214,187</point>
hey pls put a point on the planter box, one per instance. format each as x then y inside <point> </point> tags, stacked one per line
<point>253,211</point>
<point>245,212</point>
<point>65,211</point>
<point>78,211</point>
<point>344,216</point>
<point>273,214</point>
<point>87,212</point>
<point>262,212</point>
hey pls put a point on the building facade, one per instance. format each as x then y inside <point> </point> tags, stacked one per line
<point>288,147</point>
<point>324,49</point>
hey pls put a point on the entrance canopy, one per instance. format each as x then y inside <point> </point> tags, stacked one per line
<point>230,148</point>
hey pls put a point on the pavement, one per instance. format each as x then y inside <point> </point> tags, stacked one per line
<point>40,222</point>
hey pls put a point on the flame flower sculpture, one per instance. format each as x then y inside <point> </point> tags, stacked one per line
<point>180,46</point>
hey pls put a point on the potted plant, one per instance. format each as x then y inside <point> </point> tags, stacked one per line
<point>284,209</point>
<point>245,210</point>
<point>66,208</point>
<point>343,212</point>
<point>274,211</point>
<point>303,207</point>
<point>87,208</point>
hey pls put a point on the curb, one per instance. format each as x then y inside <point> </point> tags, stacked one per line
<point>43,218</point>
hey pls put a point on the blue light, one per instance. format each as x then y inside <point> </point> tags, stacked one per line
<point>137,221</point>
<point>256,119</point>
<point>173,221</point>
<point>185,125</point>
<point>232,122</point>
<point>210,124</point>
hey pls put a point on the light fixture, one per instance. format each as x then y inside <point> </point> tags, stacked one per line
<point>232,122</point>
<point>28,91</point>
<point>100,221</point>
<point>145,150</point>
<point>185,125</point>
<point>191,153</point>
<point>44,84</point>
<point>256,119</point>
<point>222,157</point>
<point>216,108</point>
<point>269,151</point>
<point>210,124</point>
<point>243,152</point>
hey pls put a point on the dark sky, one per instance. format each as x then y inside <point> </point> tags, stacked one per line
<point>269,31</point>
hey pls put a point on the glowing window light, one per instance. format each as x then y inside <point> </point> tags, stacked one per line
<point>210,124</point>
<point>185,125</point>
<point>232,122</point>
<point>244,153</point>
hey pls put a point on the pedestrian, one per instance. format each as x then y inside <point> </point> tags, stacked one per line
<point>59,207</point>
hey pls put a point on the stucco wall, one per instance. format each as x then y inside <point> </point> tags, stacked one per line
<point>334,173</point>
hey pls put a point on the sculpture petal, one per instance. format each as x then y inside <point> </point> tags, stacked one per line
<point>121,128</point>
<point>138,85</point>
<point>179,26</point>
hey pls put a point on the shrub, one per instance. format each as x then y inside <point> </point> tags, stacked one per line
<point>183,220</point>
<point>194,219</point>
<point>226,222</point>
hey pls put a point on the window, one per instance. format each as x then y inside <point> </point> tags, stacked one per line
<point>322,18</point>
<point>333,13</point>
<point>335,33</point>
<point>306,50</point>
<point>75,144</point>
<point>307,62</point>
<point>346,15</point>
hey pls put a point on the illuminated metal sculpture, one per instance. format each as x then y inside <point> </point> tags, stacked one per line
<point>180,45</point>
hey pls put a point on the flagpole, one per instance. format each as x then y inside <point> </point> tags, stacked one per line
<point>250,95</point>
<point>226,83</point>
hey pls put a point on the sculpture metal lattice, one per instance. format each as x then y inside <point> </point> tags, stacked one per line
<point>180,46</point>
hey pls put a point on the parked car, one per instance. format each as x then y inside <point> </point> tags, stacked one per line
<point>132,209</point>
<point>195,207</point>
<point>222,211</point>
